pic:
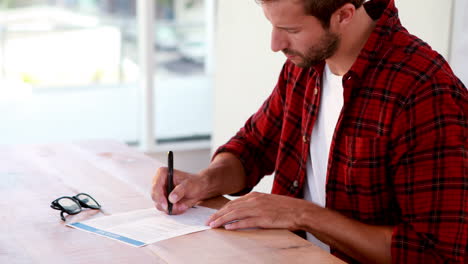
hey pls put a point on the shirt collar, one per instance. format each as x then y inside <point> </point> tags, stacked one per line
<point>386,14</point>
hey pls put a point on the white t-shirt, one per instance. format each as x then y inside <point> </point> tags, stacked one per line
<point>331,103</point>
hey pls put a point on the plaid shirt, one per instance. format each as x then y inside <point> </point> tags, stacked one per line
<point>398,155</point>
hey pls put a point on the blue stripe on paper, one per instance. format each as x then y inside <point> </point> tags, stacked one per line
<point>108,234</point>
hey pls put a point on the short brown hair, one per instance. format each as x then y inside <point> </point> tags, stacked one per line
<point>322,9</point>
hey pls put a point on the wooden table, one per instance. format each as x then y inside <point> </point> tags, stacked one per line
<point>120,179</point>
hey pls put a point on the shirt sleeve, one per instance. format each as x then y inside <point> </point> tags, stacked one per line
<point>256,144</point>
<point>429,164</point>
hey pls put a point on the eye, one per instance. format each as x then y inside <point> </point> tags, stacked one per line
<point>292,31</point>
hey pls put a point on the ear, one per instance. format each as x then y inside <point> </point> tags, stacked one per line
<point>342,17</point>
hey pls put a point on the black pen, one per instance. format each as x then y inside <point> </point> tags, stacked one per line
<point>170,181</point>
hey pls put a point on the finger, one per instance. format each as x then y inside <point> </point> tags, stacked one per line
<point>184,204</point>
<point>239,203</point>
<point>231,205</point>
<point>158,192</point>
<point>225,209</point>
<point>218,214</point>
<point>179,208</point>
<point>251,222</point>
<point>178,193</point>
<point>160,208</point>
<point>159,182</point>
<point>236,214</point>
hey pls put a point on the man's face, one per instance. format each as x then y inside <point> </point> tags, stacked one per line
<point>300,37</point>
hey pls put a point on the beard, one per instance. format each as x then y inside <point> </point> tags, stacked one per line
<point>326,47</point>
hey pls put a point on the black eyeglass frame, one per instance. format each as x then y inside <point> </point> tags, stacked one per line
<point>81,204</point>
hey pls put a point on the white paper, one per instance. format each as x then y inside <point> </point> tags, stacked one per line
<point>142,227</point>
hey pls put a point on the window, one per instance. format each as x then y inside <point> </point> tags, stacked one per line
<point>182,74</point>
<point>69,70</point>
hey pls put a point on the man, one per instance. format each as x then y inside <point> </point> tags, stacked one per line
<point>365,132</point>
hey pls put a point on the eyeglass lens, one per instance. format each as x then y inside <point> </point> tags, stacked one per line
<point>87,200</point>
<point>69,205</point>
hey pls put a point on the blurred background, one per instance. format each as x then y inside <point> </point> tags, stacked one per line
<point>70,69</point>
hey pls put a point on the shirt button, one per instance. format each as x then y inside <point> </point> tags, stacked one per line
<point>315,91</point>
<point>305,139</point>
<point>296,184</point>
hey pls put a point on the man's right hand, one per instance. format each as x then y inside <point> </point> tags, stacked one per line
<point>188,190</point>
<point>224,175</point>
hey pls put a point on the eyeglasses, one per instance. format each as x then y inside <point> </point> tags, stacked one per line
<point>73,205</point>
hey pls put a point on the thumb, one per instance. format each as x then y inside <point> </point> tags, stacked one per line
<point>178,193</point>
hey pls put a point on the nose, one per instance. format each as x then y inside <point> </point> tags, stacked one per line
<point>279,41</point>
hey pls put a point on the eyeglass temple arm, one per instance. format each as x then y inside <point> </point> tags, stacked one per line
<point>61,215</point>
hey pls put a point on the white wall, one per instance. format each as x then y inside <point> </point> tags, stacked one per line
<point>459,52</point>
<point>430,20</point>
<point>246,69</point>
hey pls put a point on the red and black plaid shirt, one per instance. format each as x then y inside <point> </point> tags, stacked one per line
<point>399,152</point>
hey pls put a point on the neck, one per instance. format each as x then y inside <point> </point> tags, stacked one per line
<point>353,40</point>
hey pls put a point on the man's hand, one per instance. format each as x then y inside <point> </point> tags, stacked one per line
<point>260,210</point>
<point>188,190</point>
<point>224,175</point>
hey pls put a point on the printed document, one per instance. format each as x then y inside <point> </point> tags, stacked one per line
<point>141,227</point>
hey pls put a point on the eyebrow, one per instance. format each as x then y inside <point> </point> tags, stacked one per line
<point>288,28</point>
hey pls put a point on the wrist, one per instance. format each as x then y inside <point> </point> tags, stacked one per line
<point>207,184</point>
<point>225,175</point>
<point>307,217</point>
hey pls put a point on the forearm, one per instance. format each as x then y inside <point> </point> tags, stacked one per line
<point>366,243</point>
<point>225,175</point>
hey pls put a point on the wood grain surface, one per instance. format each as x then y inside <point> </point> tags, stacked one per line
<point>119,178</point>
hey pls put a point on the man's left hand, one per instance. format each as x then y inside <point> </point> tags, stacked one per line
<point>260,210</point>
